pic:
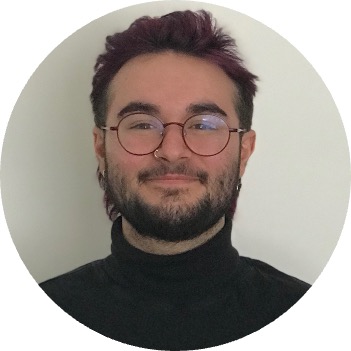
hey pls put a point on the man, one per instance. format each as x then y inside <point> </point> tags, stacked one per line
<point>173,106</point>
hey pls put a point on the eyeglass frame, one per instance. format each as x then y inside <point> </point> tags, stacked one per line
<point>164,125</point>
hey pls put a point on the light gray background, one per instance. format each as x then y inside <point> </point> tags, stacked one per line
<point>295,191</point>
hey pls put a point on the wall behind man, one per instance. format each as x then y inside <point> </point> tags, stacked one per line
<point>295,191</point>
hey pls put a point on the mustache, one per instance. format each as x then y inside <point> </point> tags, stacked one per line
<point>180,169</point>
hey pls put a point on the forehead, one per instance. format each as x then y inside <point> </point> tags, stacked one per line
<point>171,81</point>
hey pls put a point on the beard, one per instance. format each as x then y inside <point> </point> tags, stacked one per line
<point>173,220</point>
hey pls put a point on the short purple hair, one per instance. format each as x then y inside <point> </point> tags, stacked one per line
<point>186,32</point>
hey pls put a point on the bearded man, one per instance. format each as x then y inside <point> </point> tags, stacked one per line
<point>173,106</point>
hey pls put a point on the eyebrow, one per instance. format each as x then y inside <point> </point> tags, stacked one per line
<point>205,108</point>
<point>138,106</point>
<point>154,110</point>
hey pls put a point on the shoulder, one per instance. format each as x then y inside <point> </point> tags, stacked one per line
<point>77,282</point>
<point>276,276</point>
<point>271,286</point>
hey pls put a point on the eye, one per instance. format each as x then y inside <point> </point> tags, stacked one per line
<point>203,123</point>
<point>142,126</point>
<point>140,122</point>
<point>203,126</point>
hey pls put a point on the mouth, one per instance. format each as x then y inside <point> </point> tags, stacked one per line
<point>179,176</point>
<point>173,179</point>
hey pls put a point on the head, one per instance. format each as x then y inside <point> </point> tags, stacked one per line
<point>172,63</point>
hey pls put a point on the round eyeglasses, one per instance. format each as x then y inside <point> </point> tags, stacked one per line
<point>142,134</point>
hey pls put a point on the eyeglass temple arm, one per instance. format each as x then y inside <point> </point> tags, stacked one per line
<point>107,128</point>
<point>237,130</point>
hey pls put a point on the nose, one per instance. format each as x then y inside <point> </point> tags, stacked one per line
<point>173,147</point>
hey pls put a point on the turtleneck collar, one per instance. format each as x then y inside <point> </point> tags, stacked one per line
<point>211,263</point>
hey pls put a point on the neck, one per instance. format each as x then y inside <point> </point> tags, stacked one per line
<point>160,247</point>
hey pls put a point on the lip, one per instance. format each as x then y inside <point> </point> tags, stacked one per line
<point>173,179</point>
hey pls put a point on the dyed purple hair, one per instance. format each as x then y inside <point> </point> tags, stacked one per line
<point>186,32</point>
<point>190,33</point>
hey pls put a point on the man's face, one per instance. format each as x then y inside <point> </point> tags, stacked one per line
<point>179,194</point>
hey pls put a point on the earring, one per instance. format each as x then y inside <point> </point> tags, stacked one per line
<point>155,153</point>
<point>238,186</point>
<point>102,180</point>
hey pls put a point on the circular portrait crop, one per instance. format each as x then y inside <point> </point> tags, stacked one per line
<point>169,176</point>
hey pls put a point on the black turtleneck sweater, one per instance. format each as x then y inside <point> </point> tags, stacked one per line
<point>198,299</point>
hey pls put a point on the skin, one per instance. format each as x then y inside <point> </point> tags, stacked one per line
<point>172,82</point>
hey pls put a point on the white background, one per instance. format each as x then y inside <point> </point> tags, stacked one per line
<point>34,30</point>
<point>295,190</point>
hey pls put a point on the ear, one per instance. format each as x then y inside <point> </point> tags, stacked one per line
<point>99,147</point>
<point>247,148</point>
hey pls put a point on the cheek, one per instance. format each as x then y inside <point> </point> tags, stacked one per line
<point>122,164</point>
<point>225,159</point>
<point>223,168</point>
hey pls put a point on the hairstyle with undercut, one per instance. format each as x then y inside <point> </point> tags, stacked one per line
<point>186,32</point>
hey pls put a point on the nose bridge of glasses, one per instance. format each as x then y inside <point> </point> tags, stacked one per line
<point>172,139</point>
<point>181,125</point>
<point>165,125</point>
